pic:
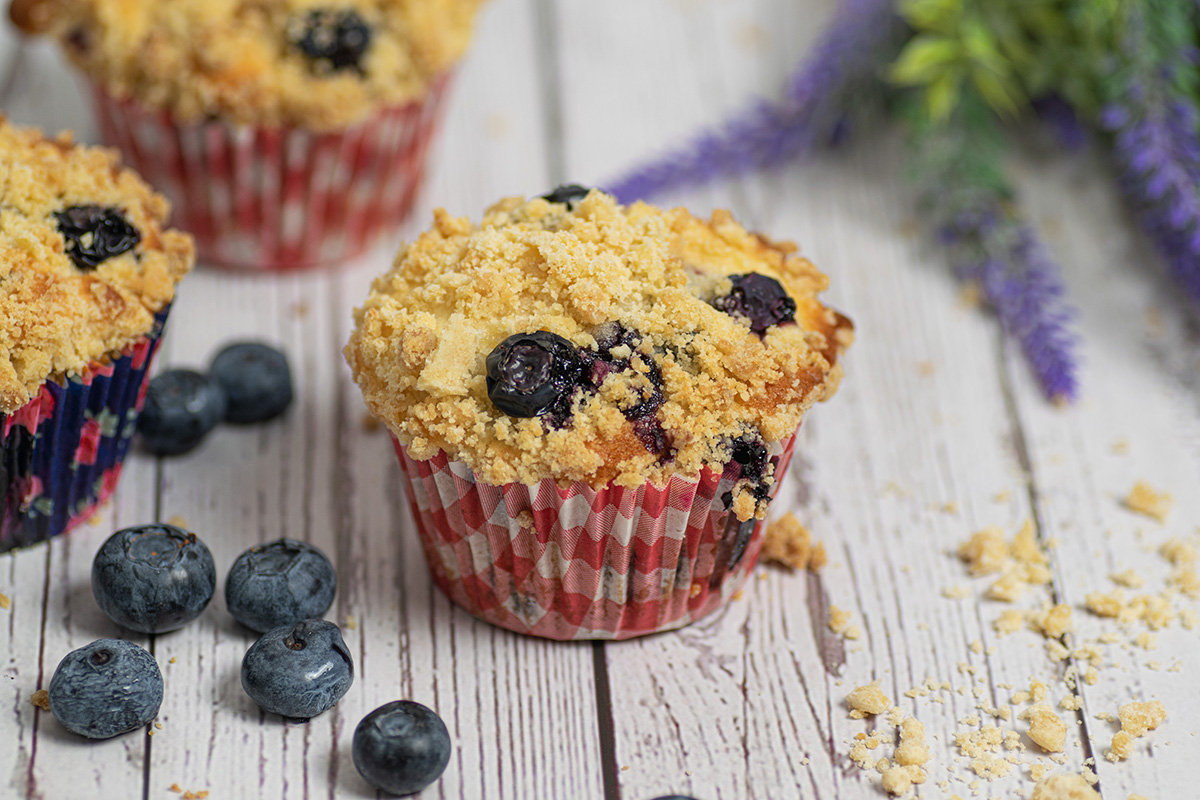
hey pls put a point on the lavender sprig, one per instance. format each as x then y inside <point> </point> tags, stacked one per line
<point>814,111</point>
<point>1155,145</point>
<point>992,247</point>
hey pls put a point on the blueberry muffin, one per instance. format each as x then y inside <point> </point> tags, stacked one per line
<point>87,273</point>
<point>575,347</point>
<point>271,124</point>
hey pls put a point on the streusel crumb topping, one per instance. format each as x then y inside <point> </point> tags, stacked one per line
<point>632,289</point>
<point>70,295</point>
<point>305,63</point>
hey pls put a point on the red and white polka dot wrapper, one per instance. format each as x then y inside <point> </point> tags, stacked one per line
<point>279,198</point>
<point>581,563</point>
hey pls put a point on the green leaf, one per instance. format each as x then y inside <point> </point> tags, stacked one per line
<point>923,58</point>
<point>940,16</point>
<point>1005,97</point>
<point>942,96</point>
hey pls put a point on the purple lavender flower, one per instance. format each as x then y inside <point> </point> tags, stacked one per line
<point>1003,256</point>
<point>814,111</point>
<point>1155,145</point>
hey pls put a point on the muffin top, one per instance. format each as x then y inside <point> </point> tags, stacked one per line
<point>588,341</point>
<point>85,261</point>
<point>317,64</point>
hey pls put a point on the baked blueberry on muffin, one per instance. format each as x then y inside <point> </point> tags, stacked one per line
<point>603,398</point>
<point>87,273</point>
<point>287,133</point>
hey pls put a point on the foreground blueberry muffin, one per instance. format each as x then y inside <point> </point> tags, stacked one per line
<point>87,272</point>
<point>653,363</point>
<point>288,133</point>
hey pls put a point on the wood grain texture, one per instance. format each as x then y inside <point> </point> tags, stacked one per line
<point>937,432</point>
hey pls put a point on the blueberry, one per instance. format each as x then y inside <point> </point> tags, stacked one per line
<point>106,688</point>
<point>568,193</point>
<point>94,234</point>
<point>279,583</point>
<point>153,578</point>
<point>760,299</point>
<point>401,747</point>
<point>181,407</point>
<point>298,670</point>
<point>256,380</point>
<point>333,39</point>
<point>530,374</point>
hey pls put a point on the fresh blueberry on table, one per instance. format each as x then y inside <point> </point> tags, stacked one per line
<point>106,688</point>
<point>759,298</point>
<point>568,193</point>
<point>299,670</point>
<point>181,407</point>
<point>530,374</point>
<point>279,583</point>
<point>256,380</point>
<point>93,234</point>
<point>401,747</point>
<point>153,578</point>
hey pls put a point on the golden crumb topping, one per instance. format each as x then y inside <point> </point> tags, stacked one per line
<point>670,384</point>
<point>56,316</point>
<point>309,63</point>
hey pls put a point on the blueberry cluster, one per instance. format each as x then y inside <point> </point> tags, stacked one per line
<point>93,234</point>
<point>540,373</point>
<point>760,299</point>
<point>247,382</point>
<point>156,578</point>
<point>333,39</point>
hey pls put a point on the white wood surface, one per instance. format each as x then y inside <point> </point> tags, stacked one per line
<point>936,432</point>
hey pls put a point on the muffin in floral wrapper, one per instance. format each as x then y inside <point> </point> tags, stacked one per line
<point>593,405</point>
<point>287,133</point>
<point>87,275</point>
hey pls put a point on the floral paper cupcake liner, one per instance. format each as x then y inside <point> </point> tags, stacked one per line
<point>581,563</point>
<point>272,198</point>
<point>61,453</point>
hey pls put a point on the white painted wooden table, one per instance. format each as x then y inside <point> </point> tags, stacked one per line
<point>937,432</point>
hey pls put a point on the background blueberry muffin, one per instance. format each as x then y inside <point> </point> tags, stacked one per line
<point>87,273</point>
<point>581,347</point>
<point>269,123</point>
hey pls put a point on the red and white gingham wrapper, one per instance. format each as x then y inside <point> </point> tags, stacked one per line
<point>581,563</point>
<point>279,198</point>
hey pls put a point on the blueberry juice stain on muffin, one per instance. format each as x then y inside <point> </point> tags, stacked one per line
<point>93,234</point>
<point>333,39</point>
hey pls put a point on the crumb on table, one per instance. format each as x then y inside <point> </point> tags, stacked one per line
<point>1144,499</point>
<point>1064,786</point>
<point>1137,719</point>
<point>5,603</point>
<point>1046,729</point>
<point>789,543</point>
<point>867,701</point>
<point>41,699</point>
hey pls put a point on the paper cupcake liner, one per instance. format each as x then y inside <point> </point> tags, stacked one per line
<point>279,198</point>
<point>581,563</point>
<point>61,453</point>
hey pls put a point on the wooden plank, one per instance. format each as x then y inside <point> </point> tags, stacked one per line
<point>1139,421</point>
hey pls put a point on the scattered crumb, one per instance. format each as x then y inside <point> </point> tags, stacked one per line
<point>867,701</point>
<point>959,592</point>
<point>1129,578</point>
<point>926,368</point>
<point>177,521</point>
<point>1143,499</point>
<point>158,726</point>
<point>625,768</point>
<point>1137,719</point>
<point>41,699</point>
<point>1120,446</point>
<point>853,633</point>
<point>898,780</point>
<point>350,623</point>
<point>913,750</point>
<point>839,620</point>
<point>299,309</point>
<point>1046,729</point>
<point>818,559</point>
<point>5,603</point>
<point>1010,621</point>
<point>1071,702</point>
<point>171,660</point>
<point>789,543</point>
<point>1064,787</point>
<point>1053,622</point>
<point>151,732</point>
